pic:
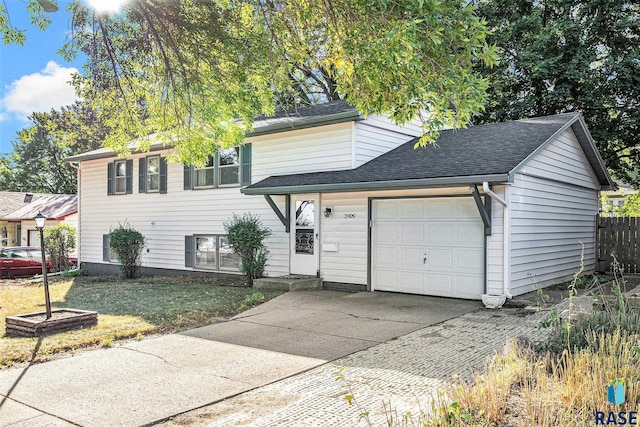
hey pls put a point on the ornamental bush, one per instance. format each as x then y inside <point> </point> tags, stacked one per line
<point>127,244</point>
<point>246,235</point>
<point>59,242</point>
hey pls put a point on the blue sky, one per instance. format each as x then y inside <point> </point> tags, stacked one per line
<point>33,77</point>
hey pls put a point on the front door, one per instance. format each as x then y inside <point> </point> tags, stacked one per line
<point>305,210</point>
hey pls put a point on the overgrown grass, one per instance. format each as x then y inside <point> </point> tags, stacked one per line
<point>126,309</point>
<point>522,388</point>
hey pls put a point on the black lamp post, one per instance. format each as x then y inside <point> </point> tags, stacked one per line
<point>40,221</point>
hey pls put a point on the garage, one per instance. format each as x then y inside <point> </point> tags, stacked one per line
<point>428,246</point>
<point>407,220</point>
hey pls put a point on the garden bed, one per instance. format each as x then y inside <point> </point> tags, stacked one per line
<point>62,319</point>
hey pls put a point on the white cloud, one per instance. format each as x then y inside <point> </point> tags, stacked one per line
<point>38,92</point>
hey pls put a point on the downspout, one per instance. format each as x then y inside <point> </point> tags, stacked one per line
<point>79,246</point>
<point>506,226</point>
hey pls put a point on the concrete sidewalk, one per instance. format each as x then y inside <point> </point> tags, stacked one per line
<point>146,381</point>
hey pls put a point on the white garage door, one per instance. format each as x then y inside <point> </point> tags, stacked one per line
<point>429,246</point>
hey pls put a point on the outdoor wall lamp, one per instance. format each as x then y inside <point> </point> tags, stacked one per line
<point>40,222</point>
<point>327,212</point>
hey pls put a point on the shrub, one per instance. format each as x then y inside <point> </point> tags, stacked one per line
<point>127,244</point>
<point>246,235</point>
<point>60,241</point>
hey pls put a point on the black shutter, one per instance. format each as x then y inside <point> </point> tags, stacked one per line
<point>110,178</point>
<point>245,159</point>
<point>188,173</point>
<point>105,248</point>
<point>142,175</point>
<point>163,175</point>
<point>129,166</point>
<point>189,246</point>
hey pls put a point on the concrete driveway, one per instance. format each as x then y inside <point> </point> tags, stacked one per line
<point>146,381</point>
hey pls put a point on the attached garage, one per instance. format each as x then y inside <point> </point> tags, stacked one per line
<point>428,246</point>
<point>498,209</point>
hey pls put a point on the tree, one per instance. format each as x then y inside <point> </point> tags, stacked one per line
<point>570,55</point>
<point>197,72</point>
<point>60,241</point>
<point>37,161</point>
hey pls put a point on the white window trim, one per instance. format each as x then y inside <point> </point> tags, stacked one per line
<point>205,169</point>
<point>218,266</point>
<point>220,167</point>
<point>122,177</point>
<point>148,175</point>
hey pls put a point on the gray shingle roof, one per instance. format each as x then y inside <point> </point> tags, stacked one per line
<point>302,116</point>
<point>478,153</point>
<point>297,118</point>
<point>51,205</point>
<point>10,201</point>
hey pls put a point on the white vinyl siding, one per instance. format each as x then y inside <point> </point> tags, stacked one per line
<point>377,135</point>
<point>549,221</point>
<point>317,149</point>
<point>412,128</point>
<point>563,160</point>
<point>345,230</point>
<point>165,219</point>
<point>553,208</point>
<point>372,141</point>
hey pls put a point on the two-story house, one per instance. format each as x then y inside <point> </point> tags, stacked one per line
<point>496,209</point>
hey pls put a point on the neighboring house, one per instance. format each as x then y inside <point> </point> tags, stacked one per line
<point>497,209</point>
<point>613,200</point>
<point>18,224</point>
<point>9,202</point>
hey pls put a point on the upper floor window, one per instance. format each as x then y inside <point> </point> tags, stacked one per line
<point>120,177</point>
<point>152,174</point>
<point>228,167</point>
<point>203,177</point>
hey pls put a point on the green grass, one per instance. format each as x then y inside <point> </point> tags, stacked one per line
<point>126,309</point>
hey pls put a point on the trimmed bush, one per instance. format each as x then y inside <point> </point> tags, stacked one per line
<point>246,235</point>
<point>127,244</point>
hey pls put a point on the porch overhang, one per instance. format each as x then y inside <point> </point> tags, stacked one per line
<point>342,187</point>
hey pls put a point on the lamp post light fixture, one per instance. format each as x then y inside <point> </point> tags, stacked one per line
<point>40,222</point>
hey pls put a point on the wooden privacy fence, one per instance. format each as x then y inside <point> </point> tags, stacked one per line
<point>619,236</point>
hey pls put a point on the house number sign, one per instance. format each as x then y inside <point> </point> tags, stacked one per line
<point>349,216</point>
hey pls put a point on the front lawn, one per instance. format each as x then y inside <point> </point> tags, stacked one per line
<point>126,309</point>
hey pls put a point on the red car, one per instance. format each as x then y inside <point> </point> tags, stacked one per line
<point>21,261</point>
